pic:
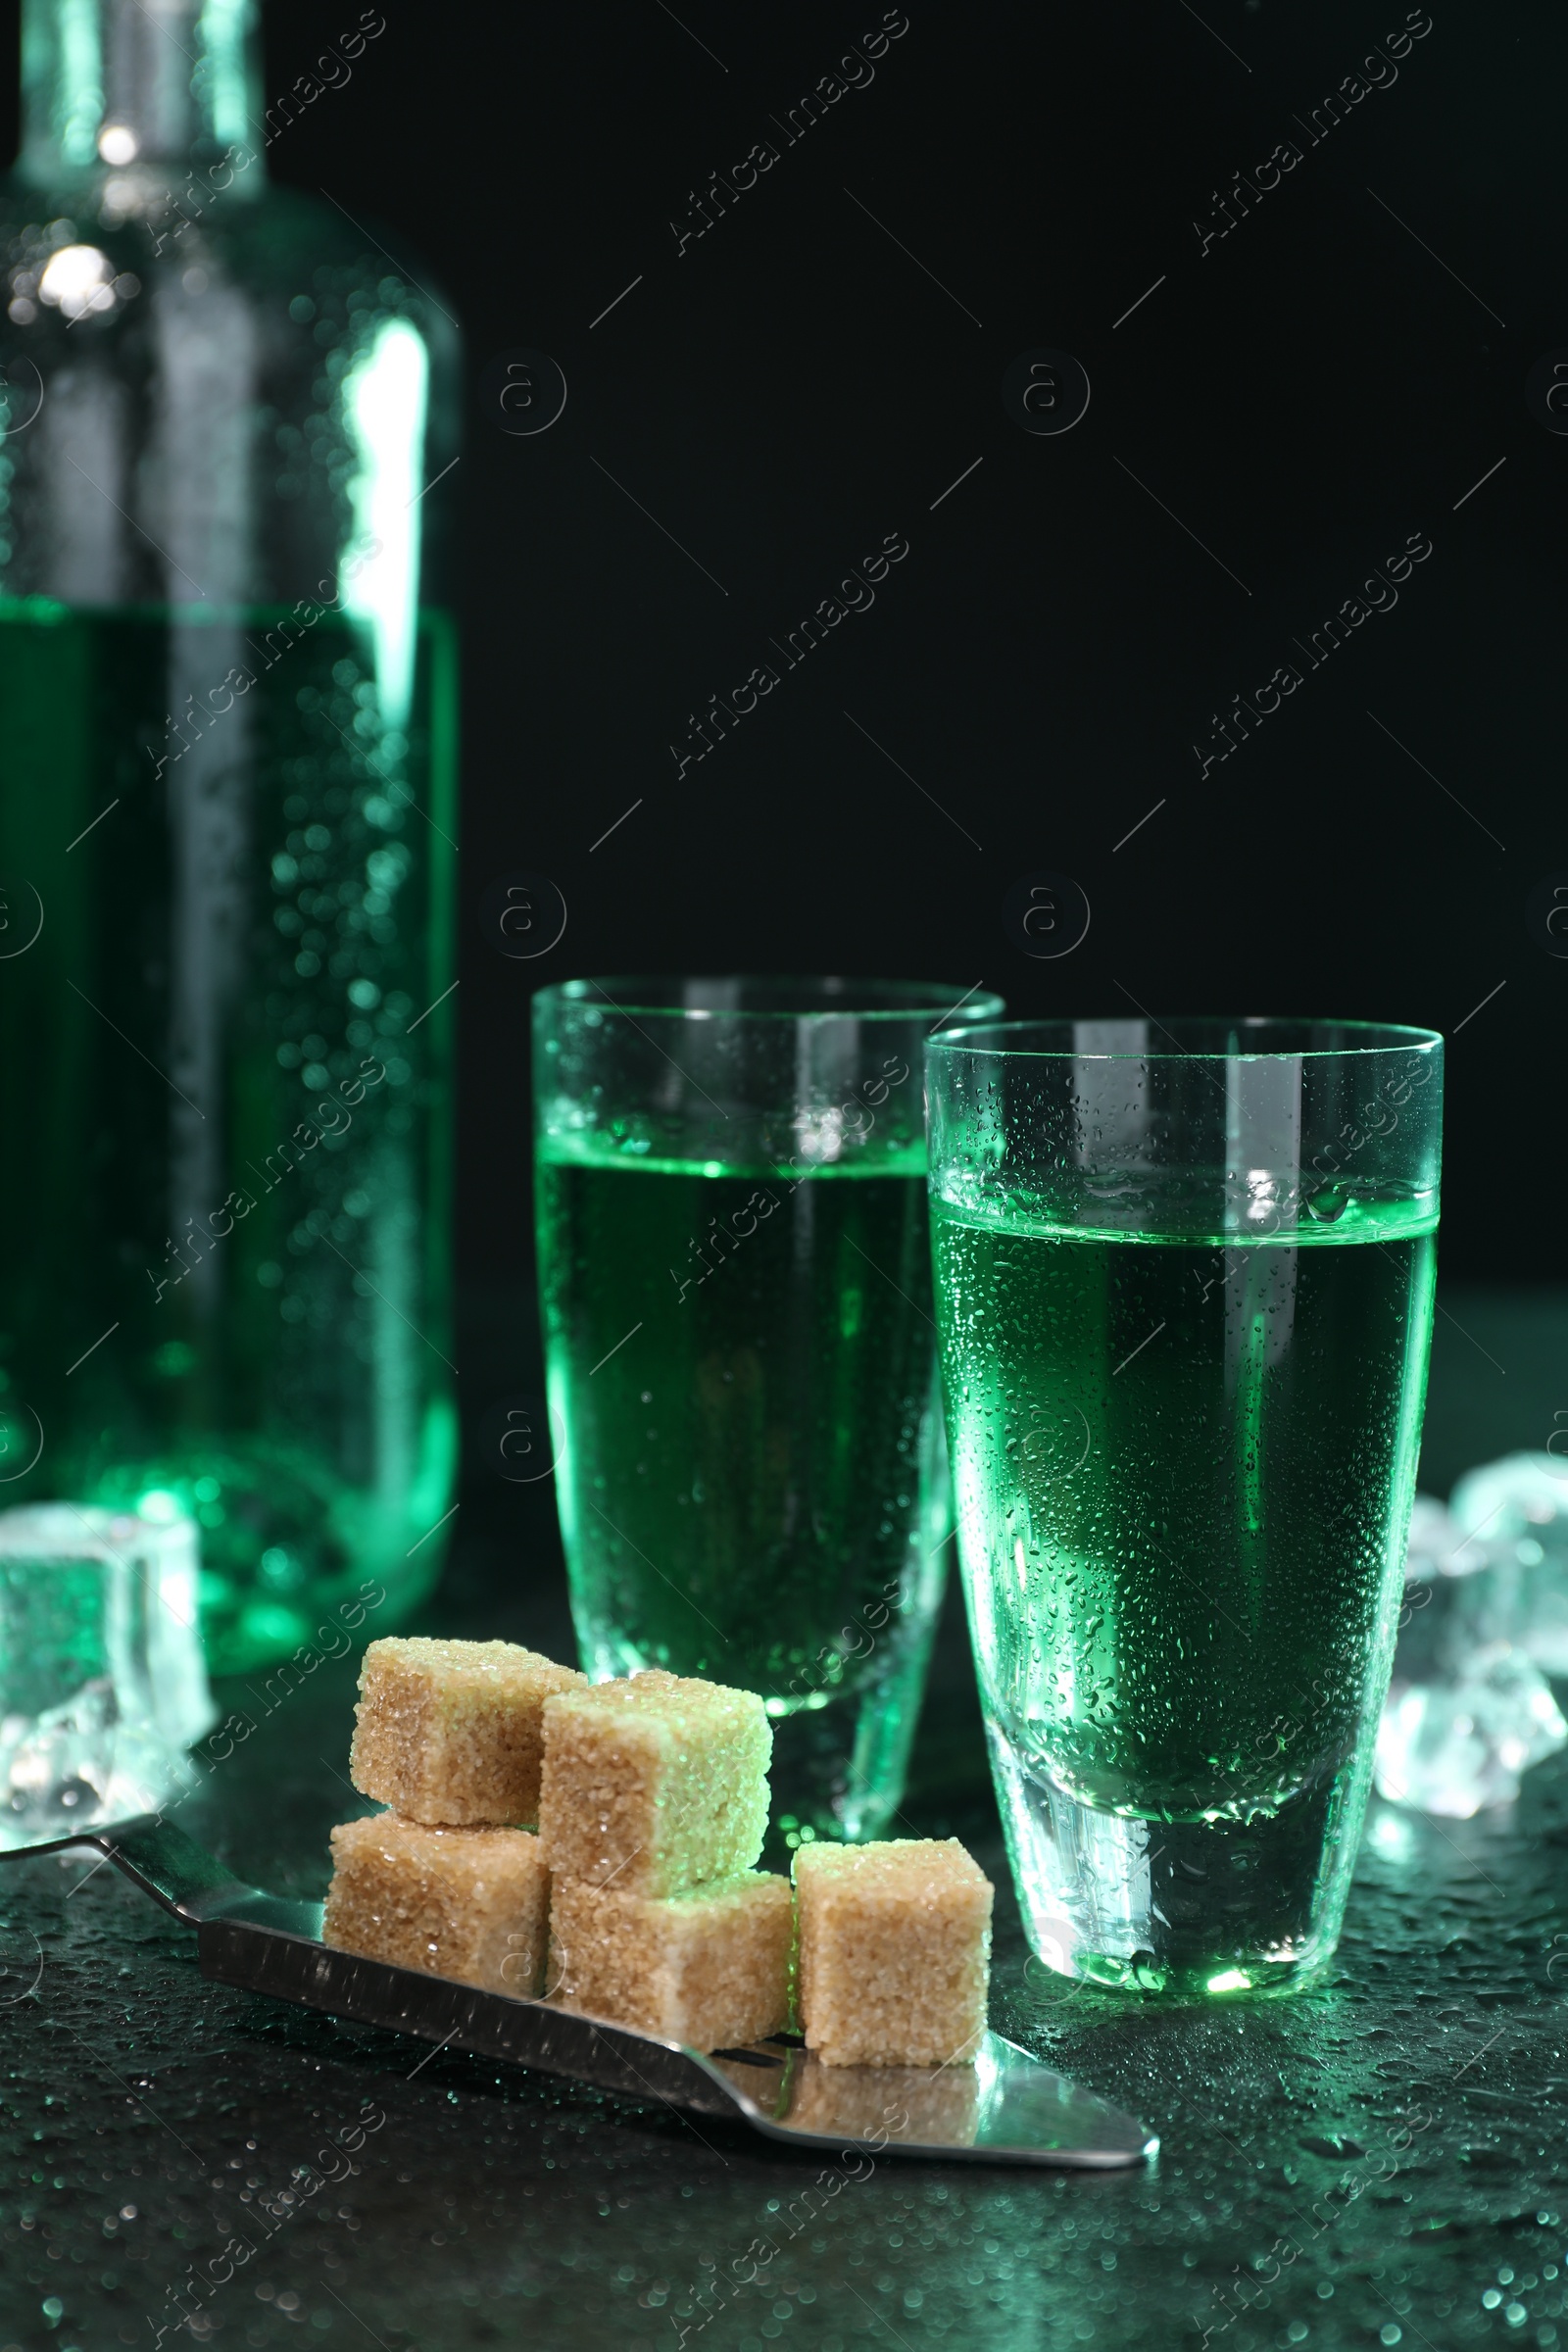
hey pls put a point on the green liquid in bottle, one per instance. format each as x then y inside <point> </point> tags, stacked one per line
<point>226,1184</point>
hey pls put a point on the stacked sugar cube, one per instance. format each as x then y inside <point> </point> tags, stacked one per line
<point>453,1880</point>
<point>652,1816</point>
<point>615,1827</point>
<point>599,1843</point>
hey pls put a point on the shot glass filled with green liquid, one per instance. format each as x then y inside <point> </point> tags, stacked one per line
<point>1184,1276</point>
<point>735,1281</point>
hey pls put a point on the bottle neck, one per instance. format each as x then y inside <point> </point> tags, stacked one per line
<point>136,86</point>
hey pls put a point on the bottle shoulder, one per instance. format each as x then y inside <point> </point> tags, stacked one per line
<point>227,397</point>
<point>96,254</point>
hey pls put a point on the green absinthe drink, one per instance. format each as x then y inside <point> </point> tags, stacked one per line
<point>736,1290</point>
<point>1184,1279</point>
<point>751,1476</point>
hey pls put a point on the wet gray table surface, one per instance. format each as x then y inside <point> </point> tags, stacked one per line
<point>1381,2162</point>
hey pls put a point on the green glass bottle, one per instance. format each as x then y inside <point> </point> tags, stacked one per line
<point>228,783</point>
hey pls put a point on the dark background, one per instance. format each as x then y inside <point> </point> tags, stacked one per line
<point>795,386</point>
<point>780,398</point>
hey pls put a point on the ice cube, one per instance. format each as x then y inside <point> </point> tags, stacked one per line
<point>1435,1539</point>
<point>1435,1632</point>
<point>1457,1744</point>
<point>1512,1516</point>
<point>102,1679</point>
<point>1469,1707</point>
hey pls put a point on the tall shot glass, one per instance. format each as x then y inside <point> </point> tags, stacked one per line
<point>1184,1275</point>
<point>735,1283</point>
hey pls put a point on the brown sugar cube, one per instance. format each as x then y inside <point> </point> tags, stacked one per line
<point>710,1969</point>
<point>657,1784</point>
<point>474,1904</point>
<point>451,1733</point>
<point>895,1951</point>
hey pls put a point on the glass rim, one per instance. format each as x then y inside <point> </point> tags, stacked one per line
<point>821,997</point>
<point>1393,1037</point>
